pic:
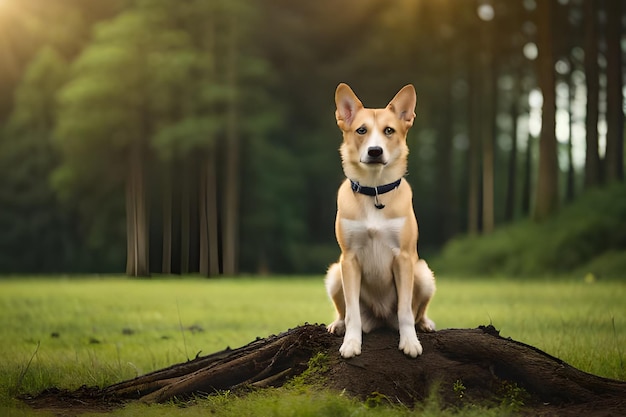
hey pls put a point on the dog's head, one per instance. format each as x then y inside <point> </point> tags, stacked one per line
<point>374,149</point>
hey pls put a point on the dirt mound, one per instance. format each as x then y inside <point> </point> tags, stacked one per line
<point>461,366</point>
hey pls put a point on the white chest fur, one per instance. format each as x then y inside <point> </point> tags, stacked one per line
<point>375,240</point>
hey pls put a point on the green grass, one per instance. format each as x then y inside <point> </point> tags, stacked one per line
<point>70,332</point>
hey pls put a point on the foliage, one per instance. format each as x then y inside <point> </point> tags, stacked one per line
<point>512,395</point>
<point>38,234</point>
<point>246,87</point>
<point>459,389</point>
<point>115,92</point>
<point>151,79</point>
<point>585,237</point>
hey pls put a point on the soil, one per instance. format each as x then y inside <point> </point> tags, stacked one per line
<point>461,366</point>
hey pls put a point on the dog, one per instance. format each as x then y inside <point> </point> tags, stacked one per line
<point>379,279</point>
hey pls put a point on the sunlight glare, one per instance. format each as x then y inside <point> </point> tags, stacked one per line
<point>535,101</point>
<point>530,51</point>
<point>5,5</point>
<point>486,12</point>
<point>562,125</point>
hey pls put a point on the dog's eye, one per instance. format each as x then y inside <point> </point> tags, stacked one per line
<point>362,130</point>
<point>389,131</point>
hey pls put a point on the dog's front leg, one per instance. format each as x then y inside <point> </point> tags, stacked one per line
<point>403,276</point>
<point>351,282</point>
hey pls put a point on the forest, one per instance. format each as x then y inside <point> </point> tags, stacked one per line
<point>176,137</point>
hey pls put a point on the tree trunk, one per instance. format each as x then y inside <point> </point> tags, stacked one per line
<point>527,185</point>
<point>474,117</point>
<point>209,224</point>
<point>511,189</point>
<point>230,215</point>
<point>209,242</point>
<point>203,219</point>
<point>547,198</point>
<point>592,158</point>
<point>166,262</point>
<point>185,217</point>
<point>136,215</point>
<point>213,221</point>
<point>131,251</point>
<point>614,159</point>
<point>570,189</point>
<point>444,156</point>
<point>464,367</point>
<point>487,130</point>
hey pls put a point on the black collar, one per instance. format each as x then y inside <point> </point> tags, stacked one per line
<point>375,191</point>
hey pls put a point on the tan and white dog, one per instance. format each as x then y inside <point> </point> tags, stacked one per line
<point>379,279</point>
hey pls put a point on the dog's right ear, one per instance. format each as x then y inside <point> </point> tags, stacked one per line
<point>347,105</point>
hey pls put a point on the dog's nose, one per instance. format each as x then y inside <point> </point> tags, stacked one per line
<point>375,151</point>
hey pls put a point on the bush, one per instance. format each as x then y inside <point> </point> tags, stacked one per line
<point>588,235</point>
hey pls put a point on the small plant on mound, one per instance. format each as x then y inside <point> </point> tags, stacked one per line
<point>376,399</point>
<point>512,396</point>
<point>459,389</point>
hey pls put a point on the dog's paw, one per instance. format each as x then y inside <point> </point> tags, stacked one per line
<point>410,346</point>
<point>350,348</point>
<point>426,325</point>
<point>337,327</point>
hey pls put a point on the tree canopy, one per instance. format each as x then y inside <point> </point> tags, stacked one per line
<point>199,136</point>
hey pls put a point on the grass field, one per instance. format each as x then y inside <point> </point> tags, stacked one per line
<point>68,332</point>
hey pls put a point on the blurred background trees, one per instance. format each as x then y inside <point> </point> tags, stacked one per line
<point>198,136</point>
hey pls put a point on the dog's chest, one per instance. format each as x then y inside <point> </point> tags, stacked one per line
<point>375,239</point>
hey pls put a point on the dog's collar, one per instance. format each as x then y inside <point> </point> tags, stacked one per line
<point>375,191</point>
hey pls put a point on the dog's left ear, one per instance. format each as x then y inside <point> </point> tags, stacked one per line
<point>403,104</point>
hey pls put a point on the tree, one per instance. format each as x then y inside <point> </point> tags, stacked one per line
<point>447,119</point>
<point>511,189</point>
<point>185,138</point>
<point>174,106</point>
<point>571,171</point>
<point>25,30</point>
<point>107,116</point>
<point>474,134</point>
<point>199,123</point>
<point>614,164</point>
<point>487,83</point>
<point>222,117</point>
<point>208,181</point>
<point>592,159</point>
<point>37,232</point>
<point>230,209</point>
<point>547,198</point>
<point>41,233</point>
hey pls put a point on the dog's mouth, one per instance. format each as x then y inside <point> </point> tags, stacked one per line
<point>374,161</point>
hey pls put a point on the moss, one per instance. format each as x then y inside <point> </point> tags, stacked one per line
<point>315,374</point>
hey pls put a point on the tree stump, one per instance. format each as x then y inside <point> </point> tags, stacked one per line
<point>460,366</point>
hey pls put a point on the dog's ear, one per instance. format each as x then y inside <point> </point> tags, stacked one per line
<point>347,105</point>
<point>403,104</point>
